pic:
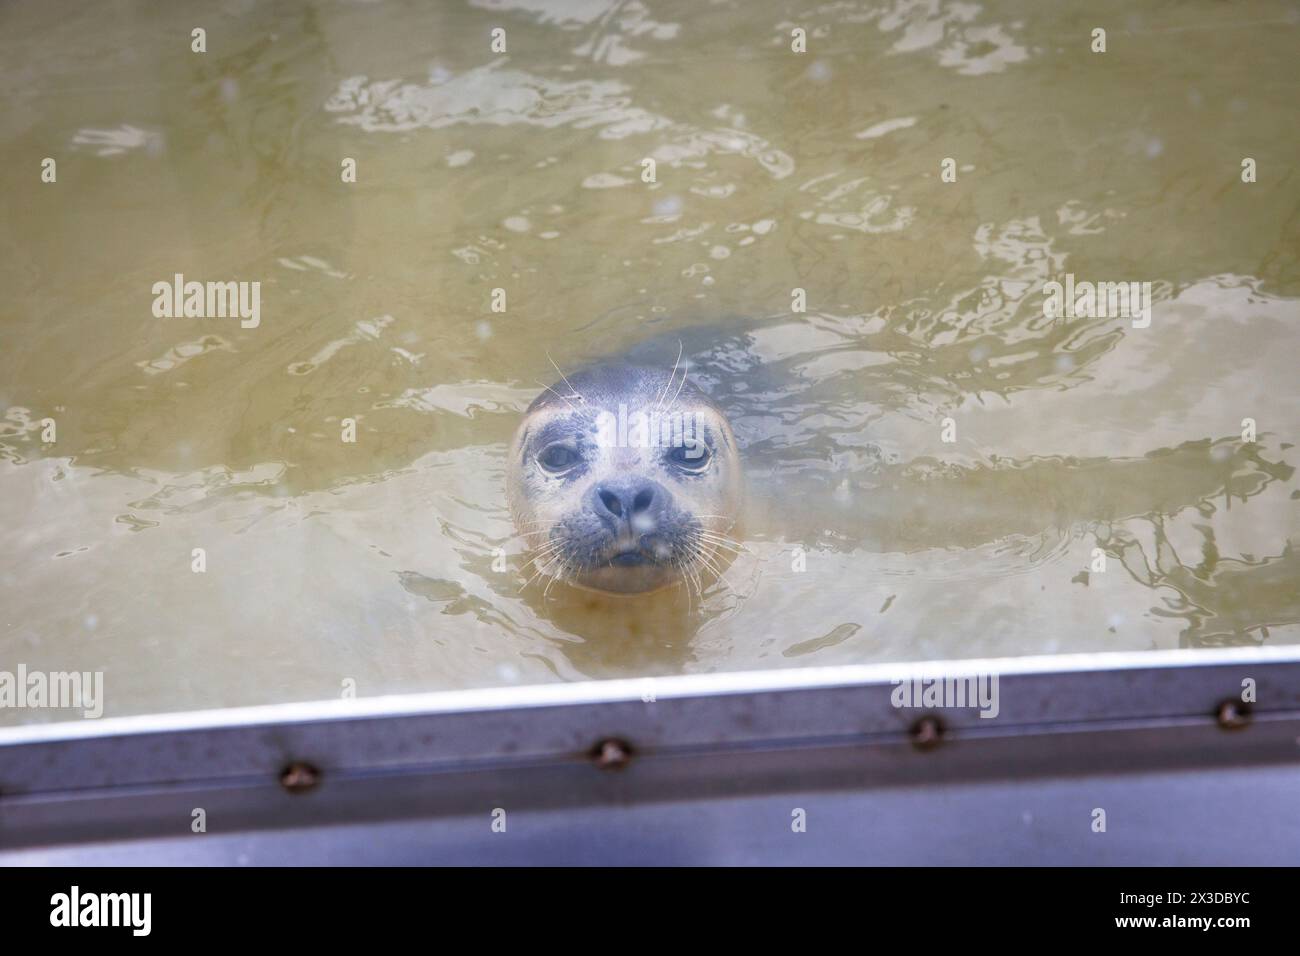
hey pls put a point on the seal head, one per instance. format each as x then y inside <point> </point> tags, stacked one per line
<point>624,479</point>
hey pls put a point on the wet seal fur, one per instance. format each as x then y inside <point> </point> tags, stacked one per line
<point>624,479</point>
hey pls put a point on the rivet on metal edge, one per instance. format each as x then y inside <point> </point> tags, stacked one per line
<point>611,754</point>
<point>1233,715</point>
<point>299,777</point>
<point>927,733</point>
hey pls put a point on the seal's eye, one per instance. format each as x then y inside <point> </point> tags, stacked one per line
<point>557,458</point>
<point>691,458</point>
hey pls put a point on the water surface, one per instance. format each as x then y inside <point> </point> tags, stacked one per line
<point>870,538</point>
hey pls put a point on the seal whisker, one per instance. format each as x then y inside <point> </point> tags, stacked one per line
<point>706,560</point>
<point>719,577</point>
<point>538,538</point>
<point>671,375</point>
<point>542,555</point>
<point>717,533</point>
<point>699,585</point>
<point>556,565</point>
<point>549,557</point>
<point>549,543</point>
<point>556,577</point>
<point>562,398</point>
<point>538,557</point>
<point>576,393</point>
<point>679,390</point>
<point>723,542</point>
<point>698,557</point>
<point>721,529</point>
<point>688,580</point>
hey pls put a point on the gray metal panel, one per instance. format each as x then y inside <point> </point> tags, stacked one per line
<point>1192,818</point>
<point>720,763</point>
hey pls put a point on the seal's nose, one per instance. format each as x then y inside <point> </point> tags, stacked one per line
<point>636,504</point>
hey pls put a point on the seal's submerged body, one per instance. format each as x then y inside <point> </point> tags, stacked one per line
<point>624,479</point>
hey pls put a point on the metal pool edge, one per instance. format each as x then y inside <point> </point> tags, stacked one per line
<point>430,770</point>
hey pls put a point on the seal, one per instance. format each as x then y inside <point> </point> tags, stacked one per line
<point>624,479</point>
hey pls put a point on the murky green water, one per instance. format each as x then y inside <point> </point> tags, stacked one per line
<point>372,561</point>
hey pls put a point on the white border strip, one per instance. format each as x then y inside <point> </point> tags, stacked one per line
<point>606,691</point>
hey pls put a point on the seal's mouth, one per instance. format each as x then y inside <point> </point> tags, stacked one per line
<point>630,559</point>
<point>635,554</point>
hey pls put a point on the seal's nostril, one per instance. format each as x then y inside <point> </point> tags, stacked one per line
<point>624,503</point>
<point>611,503</point>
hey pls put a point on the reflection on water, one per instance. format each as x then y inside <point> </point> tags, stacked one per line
<point>1079,442</point>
